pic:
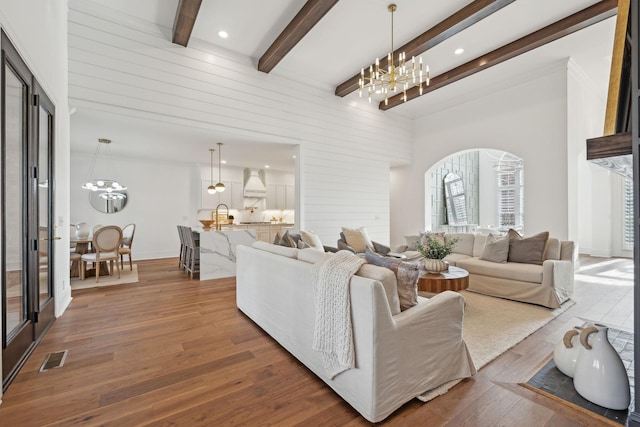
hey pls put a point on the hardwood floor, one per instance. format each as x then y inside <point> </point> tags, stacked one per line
<point>170,350</point>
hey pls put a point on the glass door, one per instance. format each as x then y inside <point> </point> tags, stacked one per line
<point>17,326</point>
<point>43,187</point>
<point>26,192</point>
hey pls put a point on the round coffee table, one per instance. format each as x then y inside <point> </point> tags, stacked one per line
<point>454,279</point>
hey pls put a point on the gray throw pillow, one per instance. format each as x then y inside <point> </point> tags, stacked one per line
<point>496,249</point>
<point>407,279</point>
<point>529,250</point>
<point>382,261</point>
<point>407,275</point>
<point>287,240</point>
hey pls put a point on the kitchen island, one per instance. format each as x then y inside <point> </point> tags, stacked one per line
<point>217,250</point>
<point>265,231</point>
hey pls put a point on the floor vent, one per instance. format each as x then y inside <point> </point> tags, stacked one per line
<point>54,360</point>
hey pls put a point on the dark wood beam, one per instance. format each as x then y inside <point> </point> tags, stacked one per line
<point>618,144</point>
<point>462,19</point>
<point>186,15</point>
<point>579,20</point>
<point>310,14</point>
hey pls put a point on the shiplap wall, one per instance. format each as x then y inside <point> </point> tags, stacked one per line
<point>121,64</point>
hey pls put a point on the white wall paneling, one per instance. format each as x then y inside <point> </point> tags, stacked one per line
<point>130,67</point>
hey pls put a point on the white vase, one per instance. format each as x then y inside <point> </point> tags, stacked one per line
<point>435,265</point>
<point>82,230</point>
<point>565,354</point>
<point>600,376</point>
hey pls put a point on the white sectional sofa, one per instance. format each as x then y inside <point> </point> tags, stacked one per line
<point>399,355</point>
<point>549,284</point>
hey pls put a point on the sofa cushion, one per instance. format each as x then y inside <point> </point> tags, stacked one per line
<point>496,249</point>
<point>276,249</point>
<point>513,271</point>
<point>478,244</point>
<point>464,245</point>
<point>453,258</point>
<point>312,239</point>
<point>529,250</point>
<point>312,256</point>
<point>552,249</point>
<point>388,280</point>
<point>357,238</point>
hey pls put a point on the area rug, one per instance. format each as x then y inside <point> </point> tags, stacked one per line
<point>494,325</point>
<point>126,276</point>
<point>550,382</point>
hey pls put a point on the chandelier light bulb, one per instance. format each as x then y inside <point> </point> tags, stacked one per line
<point>211,189</point>
<point>103,184</point>
<point>392,77</point>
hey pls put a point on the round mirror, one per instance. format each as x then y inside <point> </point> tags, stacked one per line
<point>108,202</point>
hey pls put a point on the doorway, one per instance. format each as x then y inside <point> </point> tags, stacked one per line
<point>26,223</point>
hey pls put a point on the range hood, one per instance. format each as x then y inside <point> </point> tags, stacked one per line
<point>254,184</point>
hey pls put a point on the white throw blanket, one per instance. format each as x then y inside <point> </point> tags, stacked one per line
<point>333,334</point>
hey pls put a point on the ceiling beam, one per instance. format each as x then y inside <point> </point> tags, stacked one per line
<point>184,21</point>
<point>462,19</point>
<point>579,20</point>
<point>310,14</point>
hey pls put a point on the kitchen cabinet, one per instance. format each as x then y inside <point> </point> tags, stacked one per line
<point>232,195</point>
<point>281,196</point>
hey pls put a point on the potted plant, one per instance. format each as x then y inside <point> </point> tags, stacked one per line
<point>434,250</point>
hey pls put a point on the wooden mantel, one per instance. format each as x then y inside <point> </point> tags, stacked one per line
<point>618,144</point>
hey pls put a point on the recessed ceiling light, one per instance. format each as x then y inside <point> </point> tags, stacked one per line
<point>267,166</point>
<point>458,51</point>
<point>223,34</point>
<point>224,162</point>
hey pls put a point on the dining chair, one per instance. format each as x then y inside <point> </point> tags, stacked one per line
<point>191,261</point>
<point>183,248</point>
<point>72,234</point>
<point>127,241</point>
<point>105,243</point>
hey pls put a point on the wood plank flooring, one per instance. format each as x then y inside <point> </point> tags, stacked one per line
<point>170,350</point>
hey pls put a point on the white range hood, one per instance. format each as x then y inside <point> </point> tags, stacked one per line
<point>254,186</point>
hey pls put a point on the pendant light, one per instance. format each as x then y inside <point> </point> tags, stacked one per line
<point>105,186</point>
<point>211,189</point>
<point>220,186</point>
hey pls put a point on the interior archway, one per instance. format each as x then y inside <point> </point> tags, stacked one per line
<point>480,190</point>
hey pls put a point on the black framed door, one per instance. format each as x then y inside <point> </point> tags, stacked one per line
<point>26,192</point>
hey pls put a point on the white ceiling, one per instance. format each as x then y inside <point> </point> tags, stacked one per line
<point>353,33</point>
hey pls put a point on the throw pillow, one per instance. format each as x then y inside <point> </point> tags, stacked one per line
<point>423,240</point>
<point>302,245</point>
<point>529,250</point>
<point>407,280</point>
<point>496,249</point>
<point>357,238</point>
<point>287,240</point>
<point>407,275</point>
<point>276,240</point>
<point>412,242</point>
<point>312,239</point>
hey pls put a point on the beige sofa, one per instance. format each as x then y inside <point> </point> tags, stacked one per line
<point>549,284</point>
<point>398,355</point>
